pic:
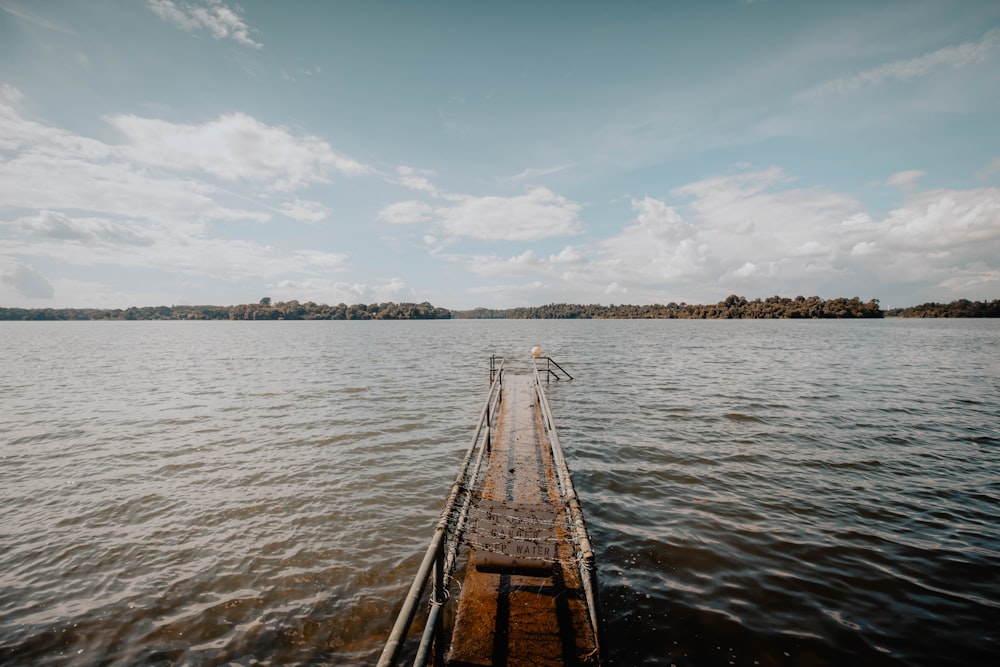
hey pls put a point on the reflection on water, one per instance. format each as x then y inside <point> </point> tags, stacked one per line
<point>775,493</point>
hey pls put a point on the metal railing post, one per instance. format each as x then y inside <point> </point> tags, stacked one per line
<point>440,595</point>
<point>489,430</point>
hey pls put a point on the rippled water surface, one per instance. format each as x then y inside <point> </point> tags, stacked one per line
<point>769,492</point>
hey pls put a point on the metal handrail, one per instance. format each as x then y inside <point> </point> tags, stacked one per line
<point>584,550</point>
<point>439,560</point>
<point>549,363</point>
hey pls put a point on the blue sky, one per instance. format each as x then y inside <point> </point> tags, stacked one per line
<point>163,152</point>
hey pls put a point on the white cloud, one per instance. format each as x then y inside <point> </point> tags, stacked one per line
<point>538,214</point>
<point>808,239</point>
<point>950,57</point>
<point>19,133</point>
<point>750,269</point>
<point>906,179</point>
<point>515,294</point>
<point>532,173</point>
<point>406,212</point>
<point>234,147</point>
<point>415,179</point>
<point>752,233</point>
<point>979,278</point>
<point>659,246</point>
<point>306,211</point>
<point>34,180</point>
<point>55,225</point>
<point>733,187</point>
<point>522,265</point>
<point>526,258</point>
<point>67,181</point>
<point>322,290</point>
<point>28,282</point>
<point>350,293</point>
<point>10,94</point>
<point>811,249</point>
<point>795,229</point>
<point>862,248</point>
<point>860,218</point>
<point>222,21</point>
<point>659,221</point>
<point>959,223</point>
<point>72,203</point>
<point>393,289</point>
<point>322,260</point>
<point>568,255</point>
<point>227,260</point>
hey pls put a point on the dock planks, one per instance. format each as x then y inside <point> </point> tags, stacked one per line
<point>512,618</point>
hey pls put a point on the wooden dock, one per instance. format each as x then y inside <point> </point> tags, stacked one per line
<point>528,592</point>
<point>531,609</point>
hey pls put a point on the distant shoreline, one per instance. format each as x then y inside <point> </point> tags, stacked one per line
<point>733,307</point>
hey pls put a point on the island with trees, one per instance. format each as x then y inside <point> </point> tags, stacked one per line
<point>264,310</point>
<point>732,307</point>
<point>959,308</point>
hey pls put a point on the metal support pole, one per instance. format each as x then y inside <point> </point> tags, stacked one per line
<point>489,430</point>
<point>440,595</point>
<point>432,639</point>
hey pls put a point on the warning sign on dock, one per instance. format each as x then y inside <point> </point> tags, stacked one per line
<point>515,538</point>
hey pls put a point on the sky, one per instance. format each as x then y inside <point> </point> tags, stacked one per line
<point>497,154</point>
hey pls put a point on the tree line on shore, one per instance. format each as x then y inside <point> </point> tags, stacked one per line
<point>264,310</point>
<point>733,307</point>
<point>959,308</point>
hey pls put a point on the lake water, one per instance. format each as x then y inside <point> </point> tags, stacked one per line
<point>759,492</point>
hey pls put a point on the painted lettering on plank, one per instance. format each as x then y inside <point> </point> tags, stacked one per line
<point>517,530</point>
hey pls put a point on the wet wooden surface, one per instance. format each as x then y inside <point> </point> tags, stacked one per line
<point>512,618</point>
